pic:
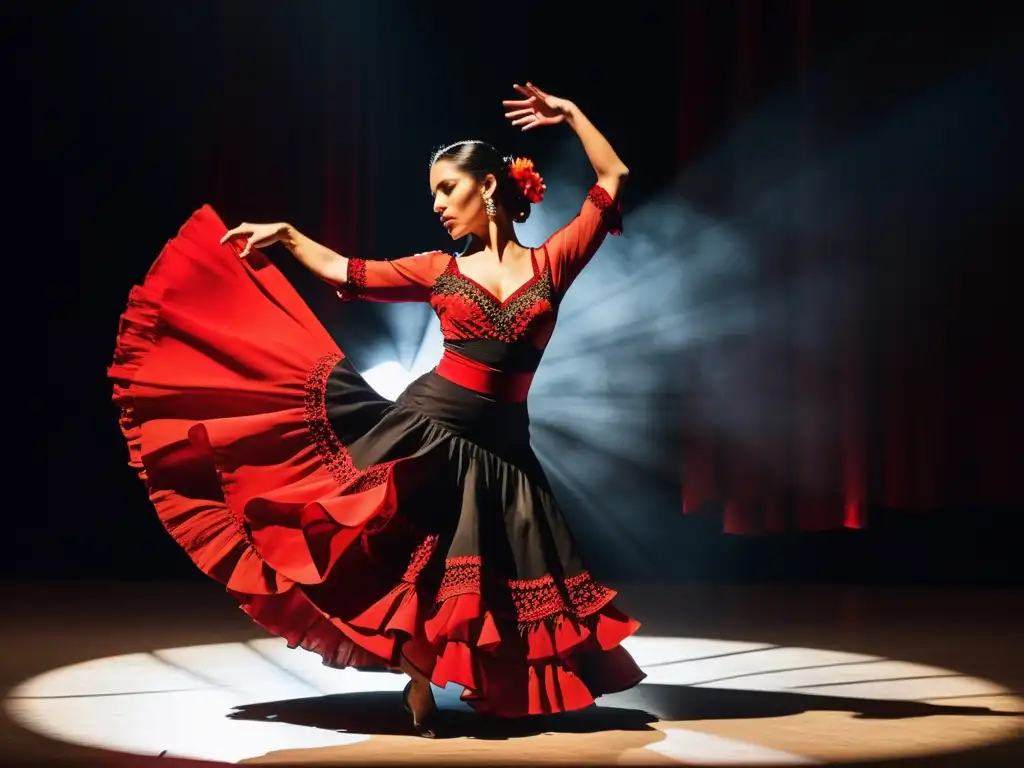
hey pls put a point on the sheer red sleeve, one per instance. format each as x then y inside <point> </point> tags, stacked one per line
<point>407,279</point>
<point>574,245</point>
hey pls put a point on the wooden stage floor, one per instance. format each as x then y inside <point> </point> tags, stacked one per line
<point>172,674</point>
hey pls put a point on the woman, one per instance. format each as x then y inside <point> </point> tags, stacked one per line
<point>419,535</point>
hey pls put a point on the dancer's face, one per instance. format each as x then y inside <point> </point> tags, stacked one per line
<point>459,199</point>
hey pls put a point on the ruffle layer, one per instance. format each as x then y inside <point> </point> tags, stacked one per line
<point>210,379</point>
<point>546,666</point>
<point>506,669</point>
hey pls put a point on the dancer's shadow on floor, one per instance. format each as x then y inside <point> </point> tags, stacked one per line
<point>381,712</point>
<point>682,703</point>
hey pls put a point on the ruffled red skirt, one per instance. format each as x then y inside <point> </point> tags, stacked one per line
<point>345,524</point>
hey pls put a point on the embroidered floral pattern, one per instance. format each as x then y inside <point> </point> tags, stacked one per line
<point>332,452</point>
<point>420,558</point>
<point>535,599</point>
<point>505,321</point>
<point>334,455</point>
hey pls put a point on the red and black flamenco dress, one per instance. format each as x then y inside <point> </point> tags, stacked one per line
<point>357,527</point>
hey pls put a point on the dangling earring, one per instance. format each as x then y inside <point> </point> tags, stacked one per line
<point>490,207</point>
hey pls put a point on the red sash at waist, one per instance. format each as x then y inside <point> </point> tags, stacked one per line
<point>510,387</point>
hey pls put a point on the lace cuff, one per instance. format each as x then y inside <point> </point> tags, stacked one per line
<point>355,280</point>
<point>611,211</point>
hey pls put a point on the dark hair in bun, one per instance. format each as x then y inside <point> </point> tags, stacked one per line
<point>478,159</point>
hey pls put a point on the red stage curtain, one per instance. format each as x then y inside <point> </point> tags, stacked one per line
<point>911,397</point>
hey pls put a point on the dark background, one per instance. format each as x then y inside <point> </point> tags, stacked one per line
<point>324,114</point>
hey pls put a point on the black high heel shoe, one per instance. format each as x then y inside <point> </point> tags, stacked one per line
<point>425,727</point>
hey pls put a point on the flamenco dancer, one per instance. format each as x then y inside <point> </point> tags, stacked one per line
<point>418,536</point>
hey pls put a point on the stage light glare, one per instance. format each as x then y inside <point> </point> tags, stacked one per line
<point>389,379</point>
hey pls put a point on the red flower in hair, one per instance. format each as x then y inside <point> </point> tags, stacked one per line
<point>526,177</point>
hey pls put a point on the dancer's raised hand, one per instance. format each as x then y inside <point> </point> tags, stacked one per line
<point>537,109</point>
